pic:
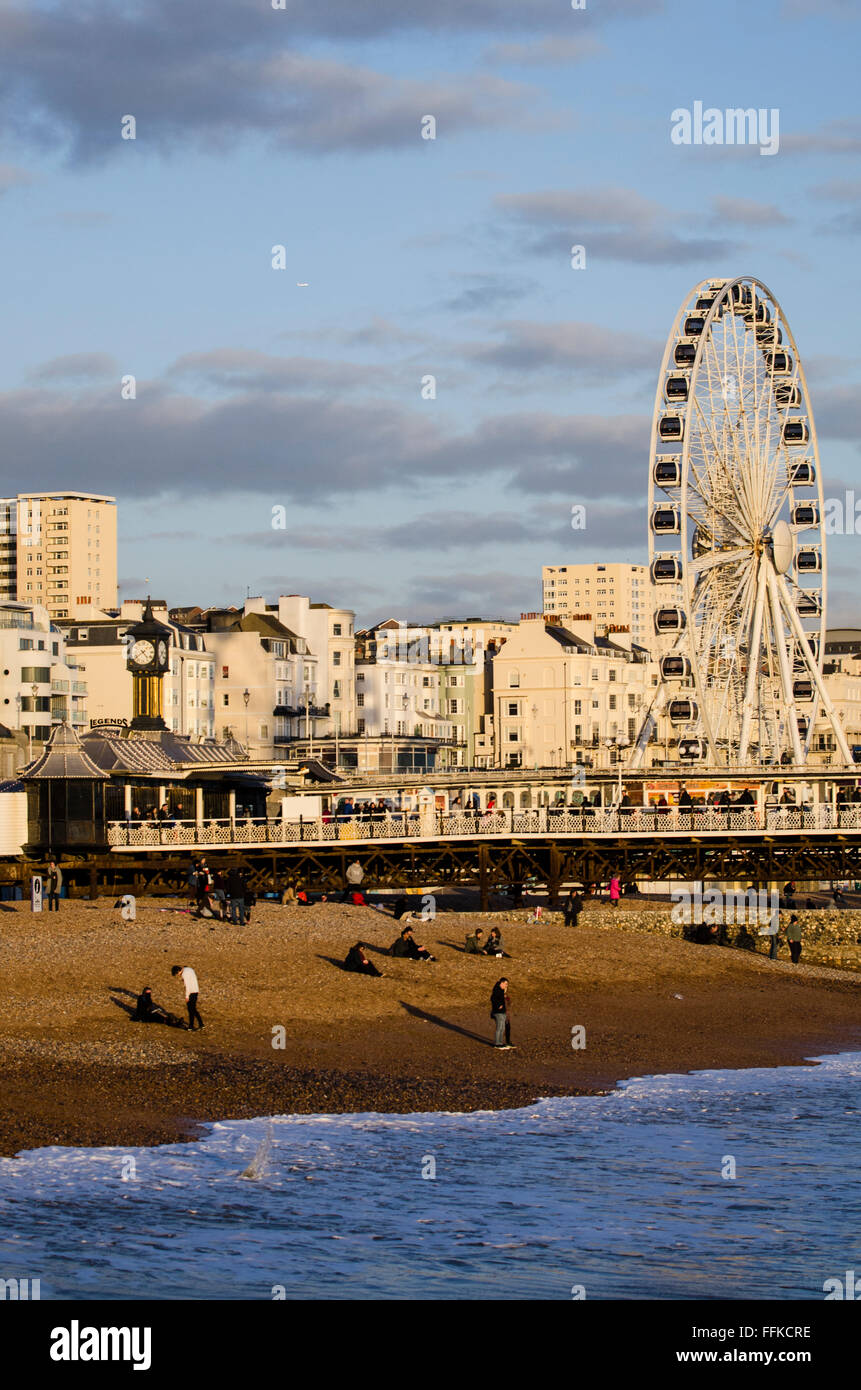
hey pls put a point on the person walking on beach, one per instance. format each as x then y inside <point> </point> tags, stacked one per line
<point>235,897</point>
<point>615,890</point>
<point>793,936</point>
<point>354,876</point>
<point>55,883</point>
<point>499,1012</point>
<point>573,908</point>
<point>192,989</point>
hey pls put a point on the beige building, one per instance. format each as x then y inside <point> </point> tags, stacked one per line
<point>617,595</point>
<point>59,549</point>
<point>98,644</point>
<point>564,694</point>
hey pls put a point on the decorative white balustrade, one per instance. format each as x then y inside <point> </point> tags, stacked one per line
<point>464,824</point>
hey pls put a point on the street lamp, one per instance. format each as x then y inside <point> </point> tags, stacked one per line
<point>246,695</point>
<point>34,690</point>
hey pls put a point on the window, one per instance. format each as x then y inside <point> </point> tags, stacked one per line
<point>360,675</point>
<point>513,707</point>
<point>426,680</point>
<point>453,706</point>
<point>336,658</point>
<point>512,735</point>
<point>225,699</point>
<point>612,674</point>
<point>264,730</point>
<point>336,630</point>
<point>594,675</point>
<point>578,733</point>
<point>336,690</point>
<point>361,726</point>
<point>225,672</point>
<point>612,702</point>
<point>514,680</point>
<point>360,699</point>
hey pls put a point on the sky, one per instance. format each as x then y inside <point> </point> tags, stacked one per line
<point>305,388</point>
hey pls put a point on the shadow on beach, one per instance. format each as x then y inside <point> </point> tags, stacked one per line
<point>444,1023</point>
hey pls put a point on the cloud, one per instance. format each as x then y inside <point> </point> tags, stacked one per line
<point>838,412</point>
<point>490,593</point>
<point>231,369</point>
<point>483,292</point>
<point>838,190</point>
<point>748,213</point>
<point>588,348</point>
<point>835,137</point>
<point>77,366</point>
<point>212,75</point>
<point>294,447</point>
<point>546,52</point>
<point>612,223</point>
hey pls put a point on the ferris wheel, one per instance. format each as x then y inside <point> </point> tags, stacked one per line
<point>736,545</point>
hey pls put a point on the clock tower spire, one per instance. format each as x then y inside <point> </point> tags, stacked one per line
<point>147,658</point>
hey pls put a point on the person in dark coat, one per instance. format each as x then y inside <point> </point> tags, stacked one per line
<point>572,909</point>
<point>407,947</point>
<point>494,945</point>
<point>499,1012</point>
<point>399,908</point>
<point>357,961</point>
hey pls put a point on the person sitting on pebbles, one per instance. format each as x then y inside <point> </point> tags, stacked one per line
<point>357,961</point>
<point>474,944</point>
<point>407,947</point>
<point>494,946</point>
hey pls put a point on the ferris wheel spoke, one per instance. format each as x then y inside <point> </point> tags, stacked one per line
<point>723,557</point>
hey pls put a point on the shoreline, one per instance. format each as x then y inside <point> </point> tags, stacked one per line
<point>78,1073</point>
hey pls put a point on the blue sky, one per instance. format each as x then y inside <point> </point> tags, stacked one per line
<point>301,127</point>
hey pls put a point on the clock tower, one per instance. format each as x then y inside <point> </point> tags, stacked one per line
<point>146,658</point>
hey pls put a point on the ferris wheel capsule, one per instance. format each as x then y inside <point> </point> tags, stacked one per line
<point>671,427</point>
<point>805,514</point>
<point>693,749</point>
<point>666,569</point>
<point>809,560</point>
<point>675,667</point>
<point>802,473</point>
<point>795,432</point>
<point>683,711</point>
<point>670,620</point>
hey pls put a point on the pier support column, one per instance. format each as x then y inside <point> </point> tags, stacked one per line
<point>94,882</point>
<point>484,877</point>
<point>554,877</point>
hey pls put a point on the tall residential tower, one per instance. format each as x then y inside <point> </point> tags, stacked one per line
<point>59,549</point>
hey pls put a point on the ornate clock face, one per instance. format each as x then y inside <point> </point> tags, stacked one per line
<point>162,653</point>
<point>143,652</point>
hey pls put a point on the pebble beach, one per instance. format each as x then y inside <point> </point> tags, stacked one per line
<point>288,1031</point>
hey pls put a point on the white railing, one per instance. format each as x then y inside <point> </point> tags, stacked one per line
<point>542,821</point>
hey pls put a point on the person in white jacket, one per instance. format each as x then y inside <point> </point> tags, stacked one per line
<point>192,989</point>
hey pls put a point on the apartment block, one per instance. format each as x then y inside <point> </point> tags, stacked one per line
<point>40,682</point>
<point>59,549</point>
<point>615,595</point>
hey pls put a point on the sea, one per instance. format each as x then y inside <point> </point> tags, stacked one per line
<point>716,1184</point>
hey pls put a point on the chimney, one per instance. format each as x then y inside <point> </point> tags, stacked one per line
<point>581,625</point>
<point>619,636</point>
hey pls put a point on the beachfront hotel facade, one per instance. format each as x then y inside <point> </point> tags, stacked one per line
<point>562,693</point>
<point>617,594</point>
<point>266,684</point>
<point>59,549</point>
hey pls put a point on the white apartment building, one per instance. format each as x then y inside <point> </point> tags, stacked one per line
<point>613,595</point>
<point>329,635</point>
<point>267,686</point>
<point>59,549</point>
<point>563,694</point>
<point>189,684</point>
<point>40,684</point>
<point>398,682</point>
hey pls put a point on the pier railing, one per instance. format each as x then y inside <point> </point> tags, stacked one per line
<point>542,821</point>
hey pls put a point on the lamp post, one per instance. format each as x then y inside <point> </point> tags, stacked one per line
<point>34,690</point>
<point>246,695</point>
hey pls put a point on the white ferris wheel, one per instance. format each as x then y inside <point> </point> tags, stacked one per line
<point>736,545</point>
